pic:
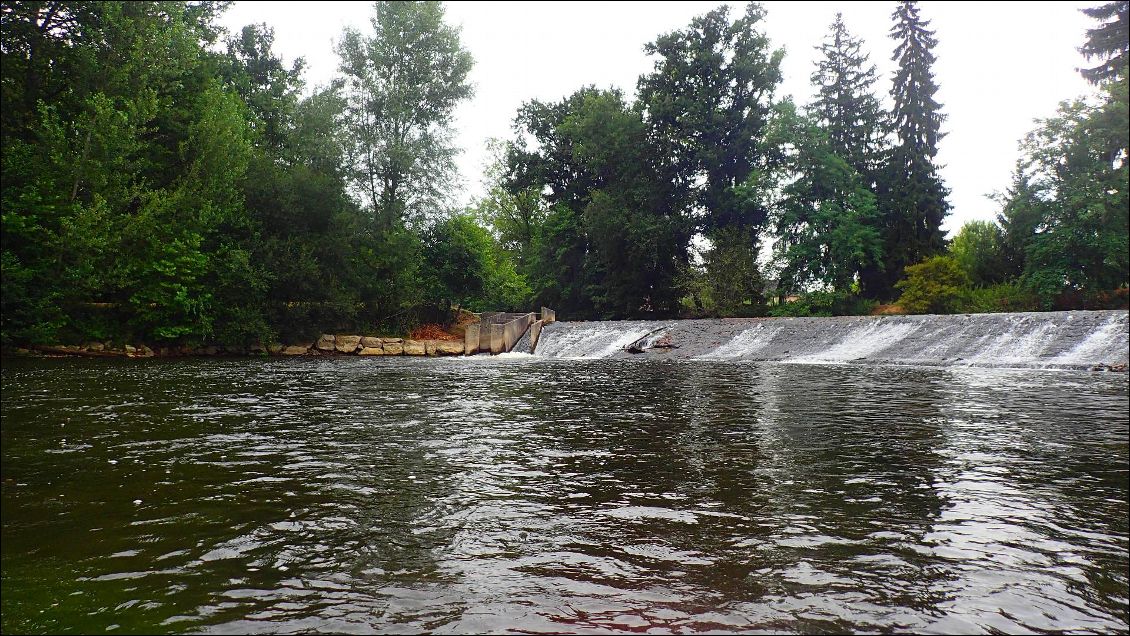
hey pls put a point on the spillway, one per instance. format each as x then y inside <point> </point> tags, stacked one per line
<point>1044,340</point>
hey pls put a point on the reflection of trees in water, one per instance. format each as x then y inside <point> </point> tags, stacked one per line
<point>831,465</point>
<point>1034,468</point>
<point>851,485</point>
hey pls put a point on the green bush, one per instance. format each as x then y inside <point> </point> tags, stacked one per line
<point>934,286</point>
<point>998,298</point>
<point>825,303</point>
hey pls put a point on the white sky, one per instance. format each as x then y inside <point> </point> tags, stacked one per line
<point>1000,64</point>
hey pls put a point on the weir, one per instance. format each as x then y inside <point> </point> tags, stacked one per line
<point>1046,340</point>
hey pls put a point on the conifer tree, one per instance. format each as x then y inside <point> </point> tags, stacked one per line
<point>846,107</point>
<point>911,193</point>
<point>1110,41</point>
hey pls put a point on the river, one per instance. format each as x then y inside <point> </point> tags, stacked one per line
<point>540,495</point>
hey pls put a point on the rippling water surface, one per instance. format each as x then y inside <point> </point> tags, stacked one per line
<point>456,495</point>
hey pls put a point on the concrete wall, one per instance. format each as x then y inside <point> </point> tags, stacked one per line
<point>513,331</point>
<point>548,315</point>
<point>496,339</point>
<point>535,332</point>
<point>471,340</point>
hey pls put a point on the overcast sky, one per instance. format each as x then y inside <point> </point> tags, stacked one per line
<point>1000,65</point>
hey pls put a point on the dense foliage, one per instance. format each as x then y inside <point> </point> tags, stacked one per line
<point>170,183</point>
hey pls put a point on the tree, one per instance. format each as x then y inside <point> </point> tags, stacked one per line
<point>911,194</point>
<point>467,267</point>
<point>1109,42</point>
<point>1082,239</point>
<point>513,216</point>
<point>845,105</point>
<point>267,87</point>
<point>978,249</point>
<point>611,242</point>
<point>826,221</point>
<point>1019,218</point>
<point>403,84</point>
<point>707,105</point>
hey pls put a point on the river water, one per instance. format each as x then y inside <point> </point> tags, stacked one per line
<point>534,495</point>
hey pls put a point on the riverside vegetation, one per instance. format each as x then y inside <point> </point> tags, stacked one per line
<point>171,184</point>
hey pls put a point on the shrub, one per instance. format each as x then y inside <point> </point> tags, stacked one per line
<point>998,298</point>
<point>936,285</point>
<point>825,303</point>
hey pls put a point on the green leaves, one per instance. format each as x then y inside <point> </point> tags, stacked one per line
<point>934,286</point>
<point>403,84</point>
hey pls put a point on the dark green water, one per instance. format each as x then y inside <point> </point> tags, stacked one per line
<point>360,495</point>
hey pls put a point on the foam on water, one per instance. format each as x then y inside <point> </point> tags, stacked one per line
<point>1103,345</point>
<point>746,343</point>
<point>861,342</point>
<point>599,341</point>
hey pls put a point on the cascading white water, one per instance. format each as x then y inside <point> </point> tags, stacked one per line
<point>1021,345</point>
<point>591,340</point>
<point>1111,336</point>
<point>1066,340</point>
<point>860,343</point>
<point>746,344</point>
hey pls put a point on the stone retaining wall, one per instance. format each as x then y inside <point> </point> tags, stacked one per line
<point>326,345</point>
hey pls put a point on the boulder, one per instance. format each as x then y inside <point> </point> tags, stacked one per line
<point>414,348</point>
<point>369,341</point>
<point>325,342</point>
<point>393,348</point>
<point>94,346</point>
<point>145,352</point>
<point>392,340</point>
<point>130,350</point>
<point>371,351</point>
<point>449,348</point>
<point>296,350</point>
<point>430,347</point>
<point>347,344</point>
<point>275,348</point>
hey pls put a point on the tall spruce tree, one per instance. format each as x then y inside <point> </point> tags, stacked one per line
<point>1109,42</point>
<point>846,106</point>
<point>912,195</point>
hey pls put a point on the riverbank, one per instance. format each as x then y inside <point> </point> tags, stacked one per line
<point>325,345</point>
<point>1083,340</point>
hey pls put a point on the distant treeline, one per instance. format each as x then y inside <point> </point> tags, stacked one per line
<point>166,182</point>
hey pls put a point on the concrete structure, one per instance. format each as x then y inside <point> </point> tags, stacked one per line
<point>535,332</point>
<point>471,340</point>
<point>499,332</point>
<point>1045,340</point>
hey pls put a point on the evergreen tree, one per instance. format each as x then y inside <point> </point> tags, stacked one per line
<point>911,193</point>
<point>1109,42</point>
<point>846,106</point>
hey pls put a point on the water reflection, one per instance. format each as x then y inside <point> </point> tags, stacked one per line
<point>548,496</point>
